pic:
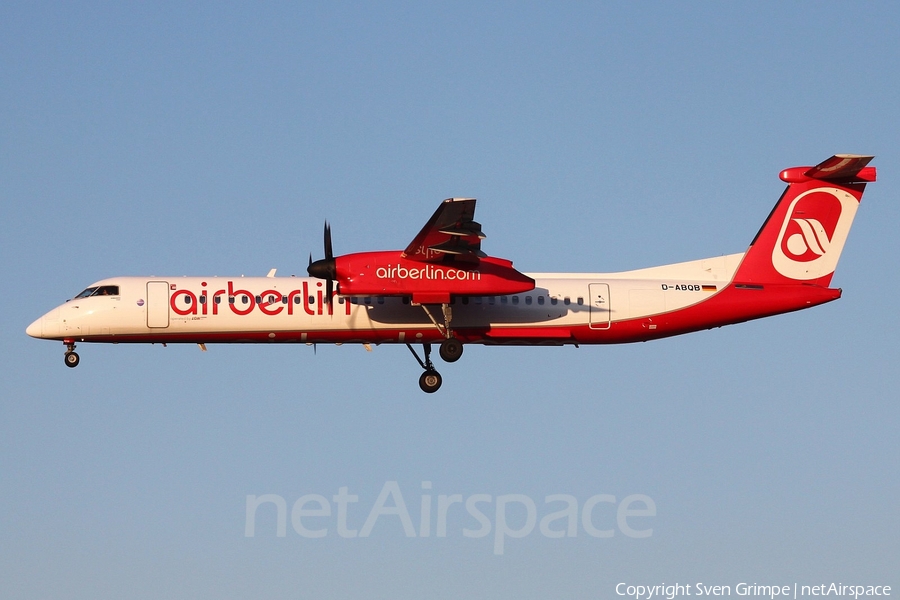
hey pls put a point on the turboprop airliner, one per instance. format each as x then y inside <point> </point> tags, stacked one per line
<point>443,289</point>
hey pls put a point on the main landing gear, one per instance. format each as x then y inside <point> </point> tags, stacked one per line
<point>71,357</point>
<point>430,381</point>
<point>451,349</point>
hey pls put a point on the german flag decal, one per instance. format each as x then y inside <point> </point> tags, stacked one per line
<point>709,288</point>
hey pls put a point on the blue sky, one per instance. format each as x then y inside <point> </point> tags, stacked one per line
<point>216,138</point>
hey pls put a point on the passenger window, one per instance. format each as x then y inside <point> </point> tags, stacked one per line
<point>540,300</point>
<point>566,301</point>
<point>296,299</point>
<point>515,299</point>
<point>503,300</point>
<point>187,299</point>
<point>217,300</point>
<point>202,299</point>
<point>527,299</point>
<point>245,299</point>
<point>580,301</point>
<point>380,299</point>
<point>465,299</point>
<point>492,299</point>
<point>553,301</point>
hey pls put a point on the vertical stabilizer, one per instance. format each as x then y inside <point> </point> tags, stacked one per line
<point>802,239</point>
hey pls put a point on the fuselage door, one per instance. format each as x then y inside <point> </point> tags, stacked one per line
<point>600,309</point>
<point>157,304</point>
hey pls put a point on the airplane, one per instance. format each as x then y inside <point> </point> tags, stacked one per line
<point>443,289</point>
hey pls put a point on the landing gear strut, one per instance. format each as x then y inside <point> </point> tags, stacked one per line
<point>430,381</point>
<point>71,357</point>
<point>451,348</point>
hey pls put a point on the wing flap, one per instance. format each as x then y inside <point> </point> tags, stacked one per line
<point>450,235</point>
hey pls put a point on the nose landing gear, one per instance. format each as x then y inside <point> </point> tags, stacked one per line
<point>71,357</point>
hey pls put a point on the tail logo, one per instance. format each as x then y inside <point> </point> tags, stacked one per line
<point>813,233</point>
<point>812,238</point>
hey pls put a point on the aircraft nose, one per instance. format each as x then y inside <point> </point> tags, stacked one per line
<point>35,329</point>
<point>45,328</point>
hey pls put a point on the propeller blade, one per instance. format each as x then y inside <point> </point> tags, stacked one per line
<point>329,253</point>
<point>325,268</point>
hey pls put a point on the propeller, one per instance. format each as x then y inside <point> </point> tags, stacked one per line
<point>325,268</point>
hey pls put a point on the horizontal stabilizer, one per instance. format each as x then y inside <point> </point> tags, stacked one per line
<point>840,167</point>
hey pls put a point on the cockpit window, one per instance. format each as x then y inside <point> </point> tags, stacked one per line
<point>103,290</point>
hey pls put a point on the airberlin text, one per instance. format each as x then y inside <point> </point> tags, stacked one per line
<point>243,302</point>
<point>504,517</point>
<point>427,272</point>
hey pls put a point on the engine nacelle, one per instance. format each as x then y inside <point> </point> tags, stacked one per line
<point>392,274</point>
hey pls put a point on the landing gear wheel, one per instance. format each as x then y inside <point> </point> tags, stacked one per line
<point>430,381</point>
<point>72,359</point>
<point>451,349</point>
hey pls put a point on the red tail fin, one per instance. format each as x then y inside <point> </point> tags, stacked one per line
<point>802,239</point>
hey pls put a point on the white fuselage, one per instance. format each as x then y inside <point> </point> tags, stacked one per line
<point>294,309</point>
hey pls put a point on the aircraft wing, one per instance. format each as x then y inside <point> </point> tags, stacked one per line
<point>450,236</point>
